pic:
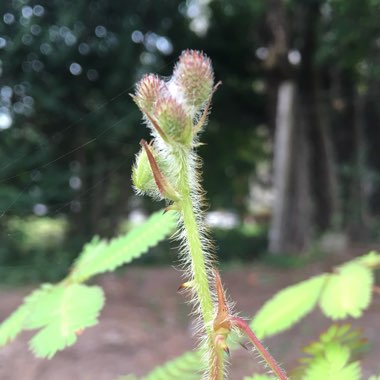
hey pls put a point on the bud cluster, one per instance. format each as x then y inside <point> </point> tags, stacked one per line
<point>172,110</point>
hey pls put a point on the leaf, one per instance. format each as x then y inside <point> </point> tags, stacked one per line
<point>337,335</point>
<point>370,260</point>
<point>14,324</point>
<point>61,314</point>
<point>348,292</point>
<point>101,256</point>
<point>184,367</point>
<point>259,377</point>
<point>334,365</point>
<point>287,307</point>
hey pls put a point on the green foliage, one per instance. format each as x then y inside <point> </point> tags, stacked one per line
<point>14,324</point>
<point>62,314</point>
<point>258,377</point>
<point>370,260</point>
<point>334,365</point>
<point>62,311</point>
<point>100,256</point>
<point>336,341</point>
<point>347,292</point>
<point>288,306</point>
<point>184,367</point>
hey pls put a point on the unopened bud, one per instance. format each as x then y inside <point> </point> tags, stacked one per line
<point>194,76</point>
<point>173,120</point>
<point>142,176</point>
<point>148,91</point>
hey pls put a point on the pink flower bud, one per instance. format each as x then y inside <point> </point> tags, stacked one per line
<point>172,119</point>
<point>148,91</point>
<point>194,76</point>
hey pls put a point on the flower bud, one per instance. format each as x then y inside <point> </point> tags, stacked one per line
<point>173,120</point>
<point>194,76</point>
<point>148,91</point>
<point>142,176</point>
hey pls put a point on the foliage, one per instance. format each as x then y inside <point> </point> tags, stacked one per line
<point>100,256</point>
<point>288,307</point>
<point>184,367</point>
<point>332,352</point>
<point>62,311</point>
<point>346,292</point>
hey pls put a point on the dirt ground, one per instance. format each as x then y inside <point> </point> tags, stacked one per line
<point>145,322</point>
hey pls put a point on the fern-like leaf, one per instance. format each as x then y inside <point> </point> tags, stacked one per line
<point>184,367</point>
<point>333,365</point>
<point>100,256</point>
<point>344,335</point>
<point>337,335</point>
<point>347,292</point>
<point>287,307</point>
<point>14,324</point>
<point>62,313</point>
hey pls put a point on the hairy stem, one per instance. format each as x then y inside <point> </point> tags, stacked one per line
<point>274,366</point>
<point>189,204</point>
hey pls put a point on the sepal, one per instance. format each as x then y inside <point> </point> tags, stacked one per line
<point>163,185</point>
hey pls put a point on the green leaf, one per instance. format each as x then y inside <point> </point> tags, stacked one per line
<point>344,335</point>
<point>62,313</point>
<point>348,292</point>
<point>101,256</point>
<point>14,324</point>
<point>336,336</point>
<point>334,365</point>
<point>287,307</point>
<point>184,367</point>
<point>370,260</point>
<point>259,377</point>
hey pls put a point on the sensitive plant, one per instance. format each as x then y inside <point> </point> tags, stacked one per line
<point>168,168</point>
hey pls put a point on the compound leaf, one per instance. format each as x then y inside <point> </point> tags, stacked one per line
<point>100,256</point>
<point>184,367</point>
<point>348,292</point>
<point>62,314</point>
<point>333,365</point>
<point>14,324</point>
<point>287,307</point>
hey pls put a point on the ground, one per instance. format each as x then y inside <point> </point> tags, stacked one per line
<point>145,322</point>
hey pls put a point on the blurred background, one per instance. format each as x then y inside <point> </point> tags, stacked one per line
<point>291,162</point>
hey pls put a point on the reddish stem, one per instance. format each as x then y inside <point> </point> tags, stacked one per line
<point>244,327</point>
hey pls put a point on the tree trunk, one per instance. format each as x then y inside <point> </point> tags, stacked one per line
<point>291,209</point>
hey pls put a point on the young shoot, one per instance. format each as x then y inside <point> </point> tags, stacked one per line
<point>168,168</point>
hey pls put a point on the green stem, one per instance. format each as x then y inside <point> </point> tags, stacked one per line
<point>199,269</point>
